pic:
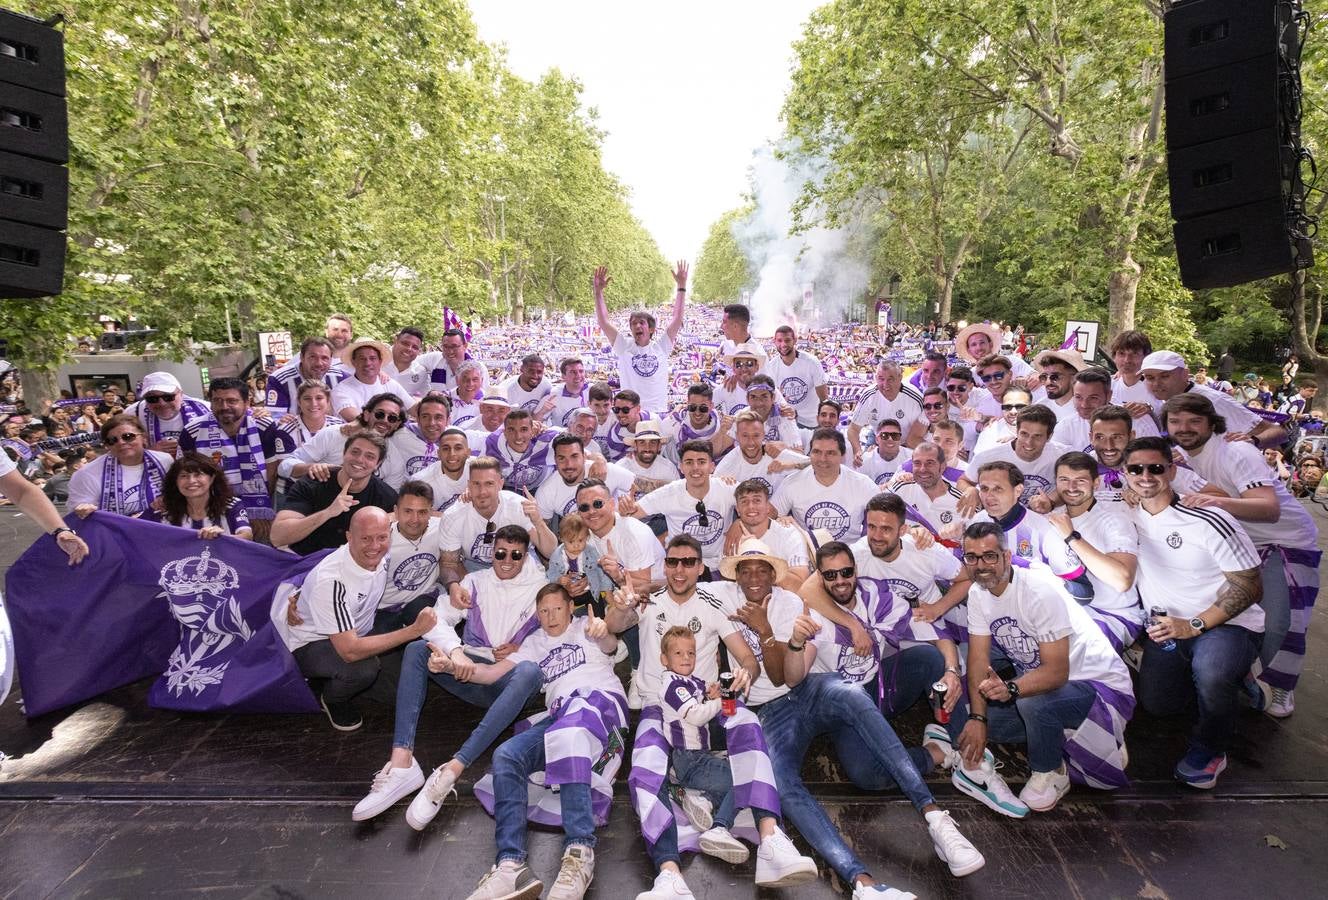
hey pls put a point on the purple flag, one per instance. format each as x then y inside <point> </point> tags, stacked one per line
<point>1072,341</point>
<point>154,599</point>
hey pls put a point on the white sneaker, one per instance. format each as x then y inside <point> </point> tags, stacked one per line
<point>389,786</point>
<point>1045,789</point>
<point>881,892</point>
<point>633,692</point>
<point>509,880</point>
<point>779,864</point>
<point>697,806</point>
<point>577,871</point>
<point>719,843</point>
<point>668,886</point>
<point>952,847</point>
<point>985,784</point>
<point>621,653</point>
<point>935,735</point>
<point>1283,703</point>
<point>428,801</point>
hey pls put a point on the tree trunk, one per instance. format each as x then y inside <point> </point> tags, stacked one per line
<point>1304,335</point>
<point>1122,290</point>
<point>519,303</point>
<point>39,386</point>
<point>944,297</point>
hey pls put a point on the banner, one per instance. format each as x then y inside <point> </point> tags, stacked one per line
<point>154,599</point>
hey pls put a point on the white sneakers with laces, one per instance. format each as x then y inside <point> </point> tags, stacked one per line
<point>1045,789</point>
<point>779,864</point>
<point>429,800</point>
<point>509,880</point>
<point>389,786</point>
<point>697,806</point>
<point>668,886</point>
<point>721,844</point>
<point>1283,703</point>
<point>951,846</point>
<point>577,871</point>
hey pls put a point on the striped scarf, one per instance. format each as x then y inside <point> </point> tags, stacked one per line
<point>190,409</point>
<point>241,457</point>
<point>615,448</point>
<point>1095,751</point>
<point>113,486</point>
<point>524,470</point>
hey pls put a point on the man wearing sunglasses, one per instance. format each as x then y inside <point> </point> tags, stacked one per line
<point>1281,528</point>
<point>498,607</point>
<point>1202,567</point>
<point>469,526</point>
<point>889,455</point>
<point>383,414</point>
<point>745,361</point>
<point>698,420</point>
<point>557,495</point>
<point>889,399</point>
<point>1057,674</point>
<point>700,504</point>
<point>1058,368</point>
<point>996,376</point>
<point>642,354</point>
<point>365,357</point>
<point>968,401</point>
<point>164,411</point>
<point>627,415</point>
<point>318,512</point>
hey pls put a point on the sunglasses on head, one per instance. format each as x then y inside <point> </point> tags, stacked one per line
<point>157,398</point>
<point>687,562</point>
<point>622,410</point>
<point>836,574</point>
<point>702,512</point>
<point>698,408</point>
<point>489,529</point>
<point>501,555</point>
<point>933,406</point>
<point>381,416</point>
<point>1013,406</point>
<point>1150,468</point>
<point>593,504</point>
<point>127,437</point>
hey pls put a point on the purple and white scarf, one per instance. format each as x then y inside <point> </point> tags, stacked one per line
<point>113,486</point>
<point>687,433</point>
<point>1300,567</point>
<point>190,409</point>
<point>522,470</point>
<point>615,448</point>
<point>749,762</point>
<point>241,458</point>
<point>475,634</point>
<point>1095,751</point>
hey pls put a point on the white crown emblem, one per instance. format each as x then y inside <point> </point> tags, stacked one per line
<point>196,575</point>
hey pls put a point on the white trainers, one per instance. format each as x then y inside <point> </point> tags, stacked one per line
<point>389,786</point>
<point>779,864</point>
<point>719,843</point>
<point>935,735</point>
<point>509,880</point>
<point>985,784</point>
<point>621,653</point>
<point>697,806</point>
<point>668,886</point>
<point>952,847</point>
<point>428,801</point>
<point>1045,789</point>
<point>577,871</point>
<point>1283,703</point>
<point>633,692</point>
<point>881,892</point>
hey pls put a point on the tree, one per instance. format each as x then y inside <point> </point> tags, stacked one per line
<point>722,270</point>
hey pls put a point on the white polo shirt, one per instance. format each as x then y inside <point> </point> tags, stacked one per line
<point>873,406</point>
<point>355,393</point>
<point>1236,467</point>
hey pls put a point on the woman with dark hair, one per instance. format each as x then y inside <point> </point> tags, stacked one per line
<point>126,479</point>
<point>195,494</point>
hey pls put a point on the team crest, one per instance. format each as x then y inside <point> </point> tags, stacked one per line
<point>200,592</point>
<point>695,625</point>
<point>414,572</point>
<point>645,364</point>
<point>794,390</point>
<point>946,517</point>
<point>1025,549</point>
<point>1174,541</point>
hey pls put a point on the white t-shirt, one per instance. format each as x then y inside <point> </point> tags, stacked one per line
<point>777,428</point>
<point>6,465</point>
<point>704,614</point>
<point>798,383</point>
<point>990,436</point>
<point>728,401</point>
<point>881,470</point>
<point>1122,393</point>
<point>1109,529</point>
<point>570,662</point>
<point>1236,467</point>
<point>1075,431</point>
<point>659,470</point>
<point>408,454</point>
<point>645,369</point>
<point>634,544</point>
<point>412,566</point>
<point>355,393</point>
<point>556,497</point>
<point>520,398</point>
<point>445,488</point>
<point>338,595</point>
<point>873,406</point>
<point>942,511</point>
<point>326,446</point>
<point>1039,475</point>
<point>679,510</point>
<point>1182,555</point>
<point>912,573</point>
<point>464,529</point>
<point>783,608</point>
<point>838,508</point>
<point>1035,609</point>
<point>787,543</point>
<point>734,465</point>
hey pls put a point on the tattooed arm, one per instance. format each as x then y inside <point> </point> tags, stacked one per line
<point>1242,590</point>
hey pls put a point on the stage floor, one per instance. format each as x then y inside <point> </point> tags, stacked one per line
<point>113,799</point>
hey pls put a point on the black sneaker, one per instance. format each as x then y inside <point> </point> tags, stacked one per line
<point>343,716</point>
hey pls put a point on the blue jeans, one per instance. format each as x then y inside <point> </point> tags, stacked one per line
<point>504,699</point>
<point>704,771</point>
<point>1040,722</point>
<point>513,762</point>
<point>868,749</point>
<point>1206,671</point>
<point>908,677</point>
<point>1276,603</point>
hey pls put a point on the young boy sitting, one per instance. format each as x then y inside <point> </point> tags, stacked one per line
<point>575,565</point>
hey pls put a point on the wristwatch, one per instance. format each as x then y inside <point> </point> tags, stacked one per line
<point>1013,688</point>
<point>1198,625</point>
<point>61,530</point>
<point>1072,537</point>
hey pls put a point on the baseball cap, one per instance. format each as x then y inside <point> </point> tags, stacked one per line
<point>1163,361</point>
<point>159,381</point>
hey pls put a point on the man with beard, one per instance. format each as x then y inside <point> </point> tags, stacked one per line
<point>382,414</point>
<point>1104,539</point>
<point>1032,452</point>
<point>365,357</point>
<point>928,491</point>
<point>318,513</point>
<point>1001,428</point>
<point>556,497</point>
<point>529,389</point>
<point>1202,568</point>
<point>468,528</point>
<point>829,495</point>
<point>164,411</point>
<point>745,361</point>
<point>446,477</point>
<point>522,454</point>
<point>1091,392</point>
<point>1167,376</point>
<point>889,399</point>
<point>643,359</point>
<point>761,400</point>
<point>798,375</point>
<point>246,449</point>
<point>931,374</point>
<point>1057,376</point>
<point>648,467</point>
<point>1059,676</point>
<point>414,447</point>
<point>338,331</point>
<point>1281,528</point>
<point>628,416</point>
<point>755,457</point>
<point>1110,430</point>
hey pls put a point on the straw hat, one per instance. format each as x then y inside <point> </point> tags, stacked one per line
<point>384,351</point>
<point>961,339</point>
<point>752,549</point>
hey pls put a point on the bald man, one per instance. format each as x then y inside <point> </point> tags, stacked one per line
<point>329,630</point>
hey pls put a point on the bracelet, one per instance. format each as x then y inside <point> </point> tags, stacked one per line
<point>977,717</point>
<point>796,648</point>
<point>770,641</point>
<point>953,670</point>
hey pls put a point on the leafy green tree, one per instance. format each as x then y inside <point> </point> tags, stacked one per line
<point>722,270</point>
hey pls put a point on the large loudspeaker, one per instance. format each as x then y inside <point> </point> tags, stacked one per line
<point>1233,140</point>
<point>34,147</point>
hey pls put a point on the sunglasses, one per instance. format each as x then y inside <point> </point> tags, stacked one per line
<point>381,416</point>
<point>697,408</point>
<point>154,399</point>
<point>124,438</point>
<point>1013,406</point>
<point>889,435</point>
<point>1150,468</point>
<point>623,410</point>
<point>933,406</point>
<point>516,555</point>
<point>593,504</point>
<point>687,562</point>
<point>991,557</point>
<point>744,364</point>
<point>994,376</point>
<point>836,574</point>
<point>489,529</point>
<point>957,388</point>
<point>704,520</point>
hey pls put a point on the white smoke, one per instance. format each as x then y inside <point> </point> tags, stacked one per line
<point>815,261</point>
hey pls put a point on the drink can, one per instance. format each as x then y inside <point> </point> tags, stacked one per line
<point>728,700</point>
<point>1155,613</point>
<point>938,692</point>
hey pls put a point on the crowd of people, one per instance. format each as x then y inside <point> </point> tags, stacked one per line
<point>728,547</point>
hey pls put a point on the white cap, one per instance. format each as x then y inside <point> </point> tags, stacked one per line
<point>1162,361</point>
<point>164,382</point>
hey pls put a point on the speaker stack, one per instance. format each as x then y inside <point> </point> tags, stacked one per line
<point>1234,155</point>
<point>34,147</point>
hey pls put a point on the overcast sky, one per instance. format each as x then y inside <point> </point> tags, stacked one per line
<point>685,90</point>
